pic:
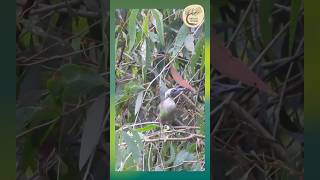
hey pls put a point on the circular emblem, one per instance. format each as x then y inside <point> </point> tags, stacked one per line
<point>193,15</point>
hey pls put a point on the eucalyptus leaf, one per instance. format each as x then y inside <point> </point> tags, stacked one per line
<point>182,156</point>
<point>146,128</point>
<point>294,14</point>
<point>92,129</point>
<point>132,146</point>
<point>139,102</point>
<point>179,41</point>
<point>189,43</point>
<point>71,81</point>
<point>159,25</point>
<point>132,28</point>
<point>198,52</point>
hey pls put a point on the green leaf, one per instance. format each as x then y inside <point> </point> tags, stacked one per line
<point>153,37</point>
<point>172,155</point>
<point>26,39</point>
<point>71,81</point>
<point>145,25</point>
<point>179,41</point>
<point>199,48</point>
<point>132,147</point>
<point>128,92</point>
<point>294,14</point>
<point>137,139</point>
<point>92,129</point>
<point>202,69</point>
<point>79,24</point>
<point>28,154</point>
<point>182,156</point>
<point>116,44</point>
<point>265,14</point>
<point>191,147</point>
<point>139,102</point>
<point>148,127</point>
<point>159,25</point>
<point>132,28</point>
<point>49,109</point>
<point>149,50</point>
<point>189,43</point>
<point>196,167</point>
<point>23,116</point>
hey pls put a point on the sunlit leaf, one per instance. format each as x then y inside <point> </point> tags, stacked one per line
<point>148,127</point>
<point>132,28</point>
<point>132,146</point>
<point>182,156</point>
<point>139,102</point>
<point>177,77</point>
<point>189,43</point>
<point>159,25</point>
<point>179,41</point>
<point>145,25</point>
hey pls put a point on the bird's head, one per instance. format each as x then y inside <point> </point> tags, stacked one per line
<point>173,92</point>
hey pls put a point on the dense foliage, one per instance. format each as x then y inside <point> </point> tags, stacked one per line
<point>154,48</point>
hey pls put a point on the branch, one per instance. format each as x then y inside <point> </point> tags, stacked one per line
<point>55,7</point>
<point>191,136</point>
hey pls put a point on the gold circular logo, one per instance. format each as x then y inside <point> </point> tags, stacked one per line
<point>193,15</point>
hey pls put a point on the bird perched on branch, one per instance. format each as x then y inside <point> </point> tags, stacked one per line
<point>167,106</point>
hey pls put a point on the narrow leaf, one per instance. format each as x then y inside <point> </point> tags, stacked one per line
<point>176,76</point>
<point>159,24</point>
<point>139,101</point>
<point>179,41</point>
<point>265,12</point>
<point>183,156</point>
<point>294,14</point>
<point>189,43</point>
<point>145,25</point>
<point>92,129</point>
<point>172,155</point>
<point>150,47</point>
<point>132,28</point>
<point>233,68</point>
<point>149,127</point>
<point>198,51</point>
<point>132,146</point>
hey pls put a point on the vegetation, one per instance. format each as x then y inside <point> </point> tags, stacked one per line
<point>154,49</point>
<point>257,124</point>
<point>62,72</point>
<point>62,90</point>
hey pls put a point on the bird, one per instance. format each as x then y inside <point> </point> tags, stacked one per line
<point>167,106</point>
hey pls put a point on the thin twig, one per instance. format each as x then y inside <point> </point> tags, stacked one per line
<point>55,7</point>
<point>244,17</point>
<point>246,116</point>
<point>60,56</point>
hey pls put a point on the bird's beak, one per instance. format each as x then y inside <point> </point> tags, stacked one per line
<point>178,90</point>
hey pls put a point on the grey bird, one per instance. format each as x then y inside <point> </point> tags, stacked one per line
<point>167,106</point>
